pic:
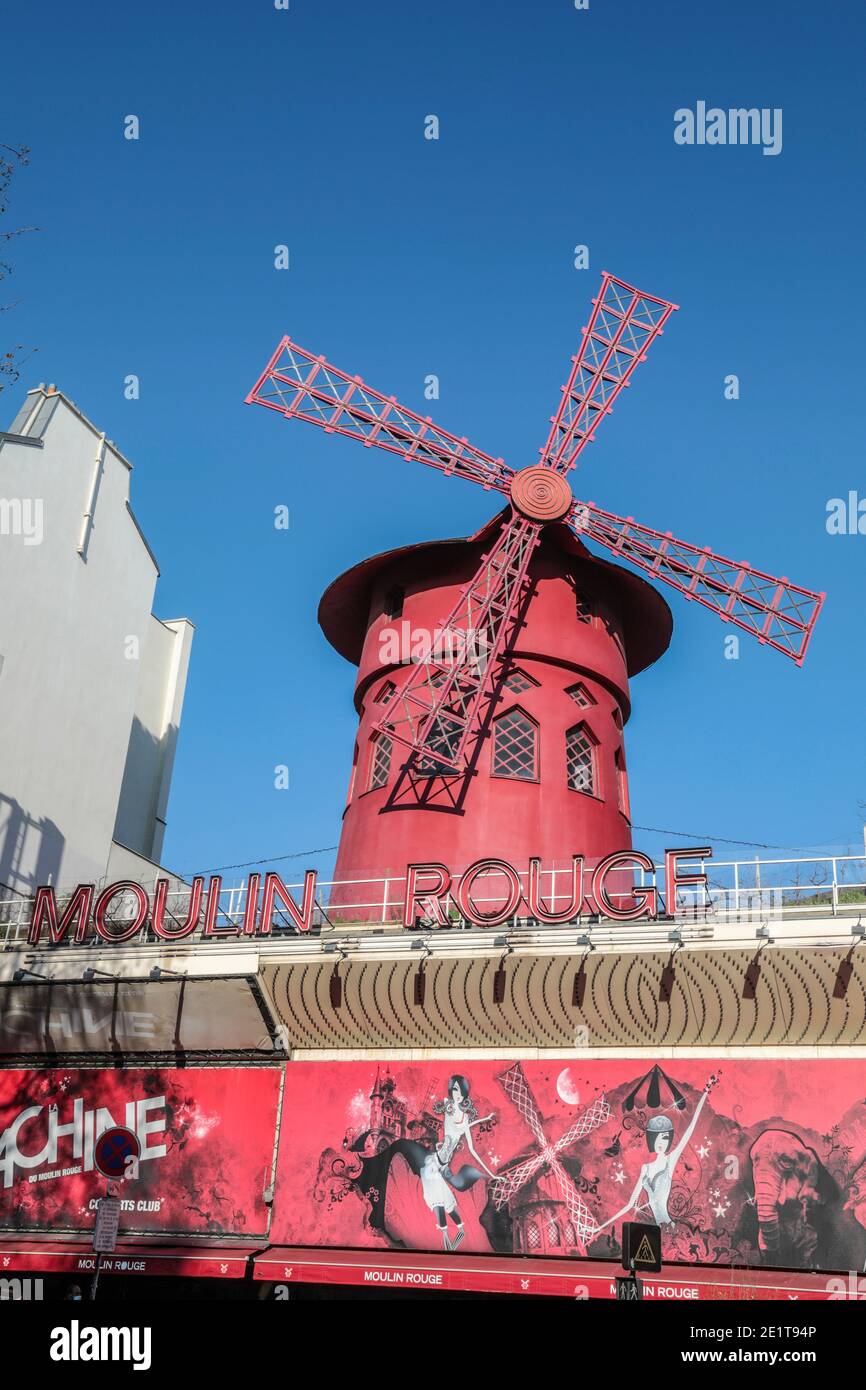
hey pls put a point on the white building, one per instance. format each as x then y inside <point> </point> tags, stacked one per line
<point>91,683</point>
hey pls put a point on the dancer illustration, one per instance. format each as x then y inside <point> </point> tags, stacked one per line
<point>431,1165</point>
<point>656,1177</point>
<point>439,1182</point>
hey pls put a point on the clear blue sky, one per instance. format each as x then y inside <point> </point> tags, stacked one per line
<point>454,257</point>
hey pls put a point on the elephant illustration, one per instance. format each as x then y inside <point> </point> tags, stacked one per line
<point>800,1207</point>
<point>787,1177</point>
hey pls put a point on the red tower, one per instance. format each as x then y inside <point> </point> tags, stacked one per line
<point>548,774</point>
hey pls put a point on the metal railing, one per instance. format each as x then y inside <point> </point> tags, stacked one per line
<point>743,890</point>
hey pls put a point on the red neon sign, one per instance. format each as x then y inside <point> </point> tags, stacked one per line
<point>431,889</point>
<point>612,892</point>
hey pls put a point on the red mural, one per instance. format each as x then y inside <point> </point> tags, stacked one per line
<point>206,1138</point>
<point>739,1162</point>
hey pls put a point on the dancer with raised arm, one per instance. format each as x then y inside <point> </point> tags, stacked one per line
<point>656,1177</point>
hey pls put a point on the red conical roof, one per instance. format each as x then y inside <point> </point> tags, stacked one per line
<point>344,608</point>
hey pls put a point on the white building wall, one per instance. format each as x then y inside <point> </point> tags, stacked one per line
<point>125,864</point>
<point>91,684</point>
<point>141,814</point>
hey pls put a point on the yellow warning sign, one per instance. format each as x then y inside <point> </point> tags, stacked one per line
<point>645,1254</point>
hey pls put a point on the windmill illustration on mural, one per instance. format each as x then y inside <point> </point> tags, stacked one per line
<point>438,713</point>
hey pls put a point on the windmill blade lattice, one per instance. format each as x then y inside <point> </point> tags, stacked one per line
<point>778,613</point>
<point>301,385</point>
<point>624,324</point>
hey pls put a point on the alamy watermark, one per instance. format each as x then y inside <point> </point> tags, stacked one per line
<point>77,1343</point>
<point>739,125</point>
<point>846,516</point>
<point>402,644</point>
<point>852,1289</point>
<point>22,516</point>
<point>21,1290</point>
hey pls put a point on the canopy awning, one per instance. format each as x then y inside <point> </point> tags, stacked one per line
<point>561,1278</point>
<point>405,1270</point>
<point>131,1257</point>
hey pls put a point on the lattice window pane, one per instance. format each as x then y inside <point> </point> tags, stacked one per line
<point>517,681</point>
<point>443,739</point>
<point>552,1234</point>
<point>515,746</point>
<point>381,762</point>
<point>580,760</point>
<point>569,1234</point>
<point>580,695</point>
<point>533,1236</point>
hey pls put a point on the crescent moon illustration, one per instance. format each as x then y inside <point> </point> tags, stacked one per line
<point>566,1087</point>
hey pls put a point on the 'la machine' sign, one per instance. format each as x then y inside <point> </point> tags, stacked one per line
<point>430,890</point>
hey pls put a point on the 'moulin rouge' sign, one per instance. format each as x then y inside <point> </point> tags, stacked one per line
<point>430,889</point>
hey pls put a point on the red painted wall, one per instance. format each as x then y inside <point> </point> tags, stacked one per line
<point>206,1133</point>
<point>458,820</point>
<point>765,1164</point>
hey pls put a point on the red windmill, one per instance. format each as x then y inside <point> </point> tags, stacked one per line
<point>546,1158</point>
<point>440,707</point>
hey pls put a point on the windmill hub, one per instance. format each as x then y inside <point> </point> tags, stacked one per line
<point>541,494</point>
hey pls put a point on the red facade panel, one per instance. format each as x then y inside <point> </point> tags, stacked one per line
<point>206,1135</point>
<point>743,1163</point>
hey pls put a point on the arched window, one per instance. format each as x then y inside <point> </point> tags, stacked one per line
<point>533,1237</point>
<point>515,746</point>
<point>380,763</point>
<point>442,739</point>
<point>580,760</point>
<point>552,1235</point>
<point>568,1234</point>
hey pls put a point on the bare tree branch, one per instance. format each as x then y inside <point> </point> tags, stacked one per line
<point>12,158</point>
<point>18,231</point>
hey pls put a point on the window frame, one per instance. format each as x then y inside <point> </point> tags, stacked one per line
<point>623,800</point>
<point>504,776</point>
<point>532,684</point>
<point>591,701</point>
<point>596,790</point>
<point>375,743</point>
